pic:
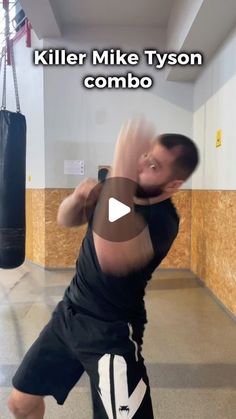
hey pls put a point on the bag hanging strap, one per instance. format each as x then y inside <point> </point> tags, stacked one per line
<point>9,59</point>
<point>14,76</point>
<point>4,58</point>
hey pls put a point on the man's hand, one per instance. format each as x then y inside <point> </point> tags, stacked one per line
<point>87,192</point>
<point>134,140</point>
<point>72,211</point>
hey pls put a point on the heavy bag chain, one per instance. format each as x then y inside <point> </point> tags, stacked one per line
<point>9,47</point>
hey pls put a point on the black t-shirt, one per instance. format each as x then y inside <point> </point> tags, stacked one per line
<point>115,298</point>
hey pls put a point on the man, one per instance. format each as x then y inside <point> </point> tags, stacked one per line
<point>98,326</point>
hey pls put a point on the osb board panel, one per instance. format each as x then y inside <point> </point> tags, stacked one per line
<point>179,255</point>
<point>35,226</point>
<point>62,243</point>
<point>214,243</point>
<point>29,225</point>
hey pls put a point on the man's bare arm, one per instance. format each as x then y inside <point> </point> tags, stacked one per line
<point>122,257</point>
<point>72,211</point>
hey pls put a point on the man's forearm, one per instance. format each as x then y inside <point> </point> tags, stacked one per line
<point>124,165</point>
<point>74,209</point>
<point>125,158</point>
<point>71,211</point>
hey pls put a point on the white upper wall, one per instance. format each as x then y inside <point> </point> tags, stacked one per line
<point>214,105</point>
<point>83,124</point>
<point>31,90</point>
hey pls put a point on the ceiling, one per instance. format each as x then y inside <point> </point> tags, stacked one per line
<point>212,24</point>
<point>200,25</point>
<point>112,12</point>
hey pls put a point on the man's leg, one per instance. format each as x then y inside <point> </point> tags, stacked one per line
<point>48,368</point>
<point>26,406</point>
<point>120,388</point>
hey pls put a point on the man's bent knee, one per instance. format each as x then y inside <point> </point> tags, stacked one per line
<point>24,405</point>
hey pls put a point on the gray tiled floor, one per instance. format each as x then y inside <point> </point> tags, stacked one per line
<point>190,344</point>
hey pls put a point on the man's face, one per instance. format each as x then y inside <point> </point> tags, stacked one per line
<point>155,169</point>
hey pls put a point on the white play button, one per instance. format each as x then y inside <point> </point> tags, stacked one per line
<point>117,209</point>
<point>114,216</point>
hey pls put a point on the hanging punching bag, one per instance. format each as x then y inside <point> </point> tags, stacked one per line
<point>12,189</point>
<point>12,168</point>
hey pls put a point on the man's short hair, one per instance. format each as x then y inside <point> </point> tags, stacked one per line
<point>187,157</point>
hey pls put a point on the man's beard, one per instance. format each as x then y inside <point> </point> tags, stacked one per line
<point>149,191</point>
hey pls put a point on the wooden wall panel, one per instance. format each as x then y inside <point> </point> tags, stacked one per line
<point>35,225</point>
<point>179,255</point>
<point>62,244</point>
<point>213,246</point>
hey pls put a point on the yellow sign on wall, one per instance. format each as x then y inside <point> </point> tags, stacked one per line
<point>219,138</point>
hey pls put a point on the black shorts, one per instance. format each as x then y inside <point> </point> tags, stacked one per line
<point>72,343</point>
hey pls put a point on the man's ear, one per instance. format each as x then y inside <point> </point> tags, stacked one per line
<point>173,186</point>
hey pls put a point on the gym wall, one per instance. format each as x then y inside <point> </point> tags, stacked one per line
<point>213,226</point>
